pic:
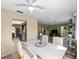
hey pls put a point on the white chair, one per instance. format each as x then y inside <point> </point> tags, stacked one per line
<point>45,38</point>
<point>58,41</point>
<point>23,53</point>
<point>19,49</point>
<point>31,54</point>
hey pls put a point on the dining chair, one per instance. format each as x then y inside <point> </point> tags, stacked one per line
<point>30,53</point>
<point>19,49</point>
<point>25,52</point>
<point>22,53</point>
<point>58,40</point>
<point>45,38</point>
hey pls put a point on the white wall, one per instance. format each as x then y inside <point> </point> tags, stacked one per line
<point>7,44</point>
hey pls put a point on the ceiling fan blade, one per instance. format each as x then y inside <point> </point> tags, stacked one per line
<point>21,4</point>
<point>39,7</point>
<point>30,1</point>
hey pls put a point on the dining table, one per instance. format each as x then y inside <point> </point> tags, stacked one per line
<point>48,51</point>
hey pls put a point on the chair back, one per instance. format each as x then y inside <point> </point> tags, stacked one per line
<point>25,52</point>
<point>29,52</point>
<point>19,49</point>
<point>58,40</point>
<point>45,38</point>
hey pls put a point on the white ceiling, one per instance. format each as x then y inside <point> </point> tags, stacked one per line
<point>55,11</point>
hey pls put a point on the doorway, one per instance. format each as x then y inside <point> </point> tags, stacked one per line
<point>19,30</point>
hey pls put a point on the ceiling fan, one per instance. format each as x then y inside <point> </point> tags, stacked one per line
<point>31,7</point>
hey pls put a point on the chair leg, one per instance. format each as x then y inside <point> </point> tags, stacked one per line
<point>20,57</point>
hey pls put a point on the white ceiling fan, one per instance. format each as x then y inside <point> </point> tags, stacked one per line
<point>31,7</point>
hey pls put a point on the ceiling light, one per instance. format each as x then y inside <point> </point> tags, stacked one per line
<point>17,22</point>
<point>30,8</point>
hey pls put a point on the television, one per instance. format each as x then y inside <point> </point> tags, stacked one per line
<point>53,32</point>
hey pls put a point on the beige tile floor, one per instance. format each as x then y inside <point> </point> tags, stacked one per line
<point>7,57</point>
<point>14,55</point>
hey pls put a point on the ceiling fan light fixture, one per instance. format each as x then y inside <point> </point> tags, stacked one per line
<point>30,8</point>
